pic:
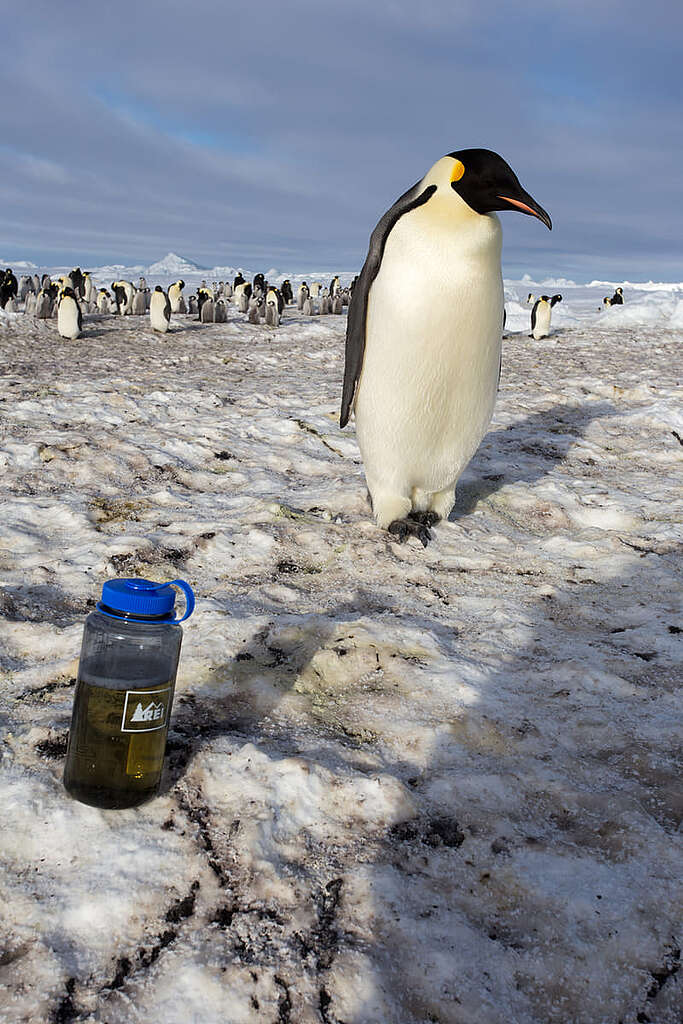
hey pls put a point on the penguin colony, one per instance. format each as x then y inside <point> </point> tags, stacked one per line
<point>71,295</point>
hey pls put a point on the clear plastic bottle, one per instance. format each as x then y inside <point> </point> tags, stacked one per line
<point>124,691</point>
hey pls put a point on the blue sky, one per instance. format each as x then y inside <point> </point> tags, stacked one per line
<point>277,134</point>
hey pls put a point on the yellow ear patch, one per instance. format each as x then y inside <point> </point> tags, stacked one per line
<point>458,170</point>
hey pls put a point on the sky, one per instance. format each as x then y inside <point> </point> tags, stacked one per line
<point>276,134</point>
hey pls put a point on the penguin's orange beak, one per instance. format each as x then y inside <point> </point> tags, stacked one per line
<point>534,211</point>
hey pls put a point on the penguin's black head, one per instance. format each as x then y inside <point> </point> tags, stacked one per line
<point>70,292</point>
<point>158,288</point>
<point>181,284</point>
<point>487,183</point>
<point>555,299</point>
<point>545,298</point>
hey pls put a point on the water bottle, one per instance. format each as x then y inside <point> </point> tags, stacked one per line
<point>124,692</point>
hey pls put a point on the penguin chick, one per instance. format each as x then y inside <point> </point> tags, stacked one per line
<point>160,310</point>
<point>422,376</point>
<point>69,317</point>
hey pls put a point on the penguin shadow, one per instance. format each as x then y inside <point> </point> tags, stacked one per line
<point>240,697</point>
<point>524,452</point>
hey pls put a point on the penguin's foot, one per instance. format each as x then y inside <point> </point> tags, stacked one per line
<point>401,529</point>
<point>425,518</point>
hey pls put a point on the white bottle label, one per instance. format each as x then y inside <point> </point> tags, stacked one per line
<point>145,710</point>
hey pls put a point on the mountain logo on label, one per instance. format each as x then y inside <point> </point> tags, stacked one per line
<point>151,713</point>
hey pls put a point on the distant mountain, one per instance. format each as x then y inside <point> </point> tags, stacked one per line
<point>174,264</point>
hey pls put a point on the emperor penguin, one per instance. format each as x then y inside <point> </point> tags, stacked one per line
<point>308,308</point>
<point>192,306</point>
<point>540,318</point>
<point>31,301</point>
<point>69,316</point>
<point>421,376</point>
<point>88,287</point>
<point>618,298</point>
<point>138,306</point>
<point>286,290</point>
<point>103,300</point>
<point>206,310</point>
<point>530,299</point>
<point>273,309</point>
<point>336,306</point>
<point>315,289</point>
<point>220,314</point>
<point>175,295</point>
<point>334,286</point>
<point>159,310</point>
<point>36,283</point>
<point>44,304</point>
<point>302,294</point>
<point>253,314</point>
<point>606,301</point>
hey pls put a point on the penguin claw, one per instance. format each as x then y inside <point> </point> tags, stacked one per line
<point>401,529</point>
<point>425,518</point>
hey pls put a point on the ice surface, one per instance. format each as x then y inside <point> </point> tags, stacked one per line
<point>403,785</point>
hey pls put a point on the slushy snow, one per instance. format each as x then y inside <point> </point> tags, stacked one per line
<point>402,785</point>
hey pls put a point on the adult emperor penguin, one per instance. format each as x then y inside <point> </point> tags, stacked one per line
<point>540,316</point>
<point>422,376</point>
<point>618,298</point>
<point>175,295</point>
<point>159,310</point>
<point>69,317</point>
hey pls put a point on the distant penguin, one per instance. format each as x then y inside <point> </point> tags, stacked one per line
<point>315,289</point>
<point>44,304</point>
<point>540,318</point>
<point>555,299</point>
<point>206,313</point>
<point>334,286</point>
<point>89,293</point>
<point>423,338</point>
<point>69,317</point>
<point>607,301</point>
<point>175,295</point>
<point>238,279</point>
<point>286,290</point>
<point>220,314</point>
<point>36,284</point>
<point>25,286</point>
<point>325,303</point>
<point>227,290</point>
<point>273,310</point>
<point>346,296</point>
<point>253,314</point>
<point>203,296</point>
<point>11,305</point>
<point>11,283</point>
<point>45,281</point>
<point>618,297</point>
<point>142,284</point>
<point>192,306</point>
<point>530,299</point>
<point>123,293</point>
<point>138,307</point>
<point>103,301</point>
<point>242,295</point>
<point>182,307</point>
<point>159,310</point>
<point>259,282</point>
<point>302,294</point>
<point>337,306</point>
<point>78,286</point>
<point>308,308</point>
<point>31,301</point>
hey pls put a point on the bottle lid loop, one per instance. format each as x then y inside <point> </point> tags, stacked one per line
<point>142,599</point>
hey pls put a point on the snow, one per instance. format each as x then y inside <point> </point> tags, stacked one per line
<point>403,785</point>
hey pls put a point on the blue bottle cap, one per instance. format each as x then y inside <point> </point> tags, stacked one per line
<point>133,598</point>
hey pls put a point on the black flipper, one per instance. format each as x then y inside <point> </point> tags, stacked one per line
<point>358,307</point>
<point>533,314</point>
